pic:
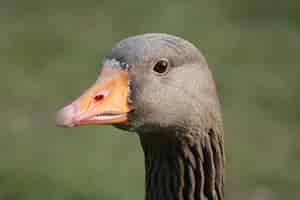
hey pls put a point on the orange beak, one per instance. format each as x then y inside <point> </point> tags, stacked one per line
<point>106,102</point>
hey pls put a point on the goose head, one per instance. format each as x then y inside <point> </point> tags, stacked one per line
<point>148,83</point>
<point>160,86</point>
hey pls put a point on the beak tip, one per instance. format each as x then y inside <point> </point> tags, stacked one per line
<point>64,117</point>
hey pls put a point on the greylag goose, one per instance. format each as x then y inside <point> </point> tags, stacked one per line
<point>160,87</point>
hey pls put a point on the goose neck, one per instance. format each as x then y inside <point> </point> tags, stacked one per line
<point>183,168</point>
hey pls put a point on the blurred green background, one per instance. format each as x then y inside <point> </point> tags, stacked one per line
<point>50,52</point>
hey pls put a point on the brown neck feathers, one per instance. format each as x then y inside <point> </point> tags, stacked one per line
<point>190,167</point>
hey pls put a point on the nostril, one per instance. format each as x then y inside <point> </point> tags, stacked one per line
<point>99,97</point>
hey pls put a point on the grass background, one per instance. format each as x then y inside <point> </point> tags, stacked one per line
<point>50,52</point>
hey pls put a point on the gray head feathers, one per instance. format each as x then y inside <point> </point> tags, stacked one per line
<point>144,48</point>
<point>182,98</point>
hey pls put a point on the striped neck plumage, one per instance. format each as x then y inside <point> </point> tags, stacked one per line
<point>184,168</point>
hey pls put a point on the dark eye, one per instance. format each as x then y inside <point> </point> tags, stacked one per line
<point>161,66</point>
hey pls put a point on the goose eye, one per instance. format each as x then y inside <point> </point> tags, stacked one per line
<point>161,66</point>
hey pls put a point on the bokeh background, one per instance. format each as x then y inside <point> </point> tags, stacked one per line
<point>50,52</point>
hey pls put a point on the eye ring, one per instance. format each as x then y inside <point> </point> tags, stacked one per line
<point>161,67</point>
